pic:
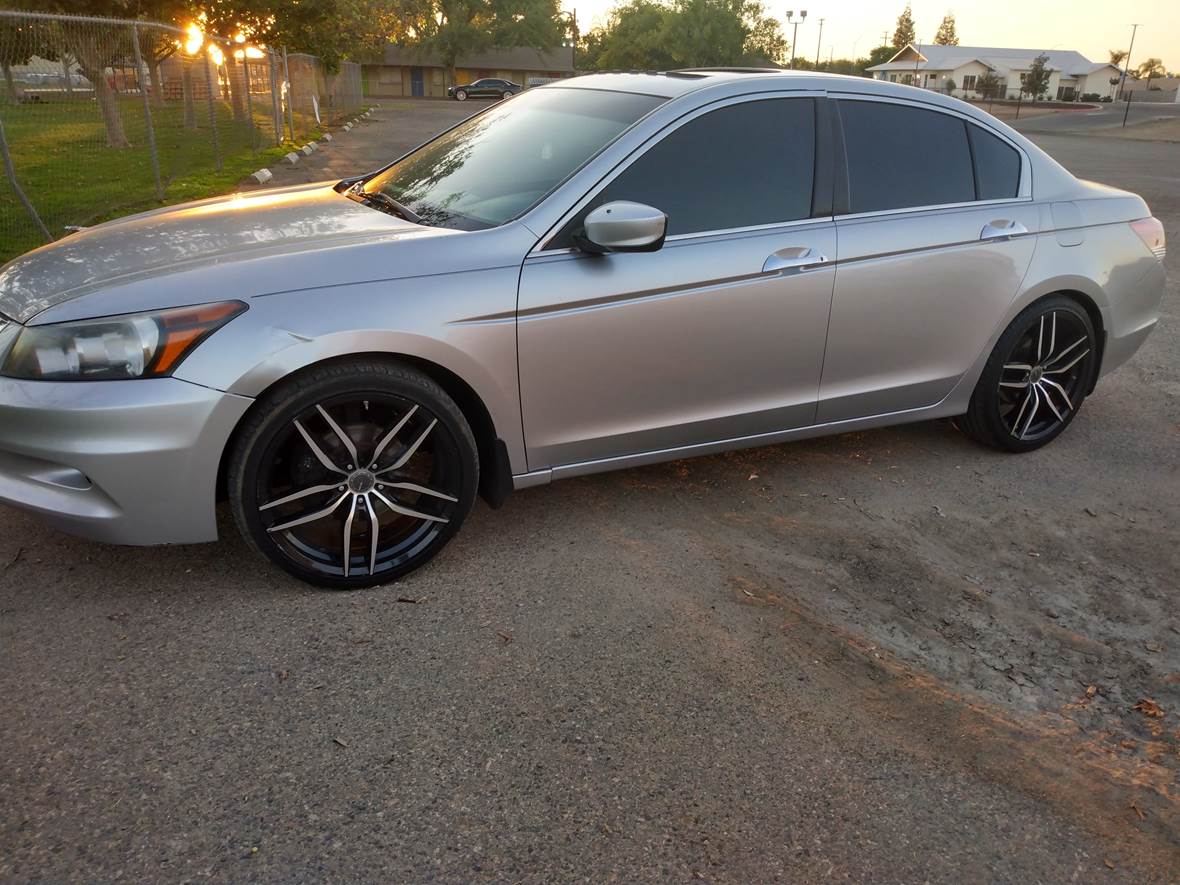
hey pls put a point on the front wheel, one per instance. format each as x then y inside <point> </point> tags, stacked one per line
<point>460,95</point>
<point>1036,378</point>
<point>353,474</point>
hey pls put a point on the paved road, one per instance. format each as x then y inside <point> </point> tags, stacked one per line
<point>1106,117</point>
<point>858,659</point>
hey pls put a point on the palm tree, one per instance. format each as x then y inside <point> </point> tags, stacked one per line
<point>1150,69</point>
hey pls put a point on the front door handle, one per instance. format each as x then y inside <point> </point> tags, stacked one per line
<point>792,258</point>
<point>1002,229</point>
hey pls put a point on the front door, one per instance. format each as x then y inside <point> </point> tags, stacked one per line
<point>935,242</point>
<point>717,336</point>
<point>416,82</point>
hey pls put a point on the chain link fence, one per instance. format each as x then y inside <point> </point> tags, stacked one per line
<point>99,117</point>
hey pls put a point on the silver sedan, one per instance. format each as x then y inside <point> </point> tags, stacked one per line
<point>609,271</point>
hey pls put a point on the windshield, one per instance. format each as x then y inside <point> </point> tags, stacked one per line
<point>491,168</point>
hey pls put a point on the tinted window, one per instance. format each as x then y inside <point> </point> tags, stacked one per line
<point>495,165</point>
<point>997,166</point>
<point>901,156</point>
<point>742,165</point>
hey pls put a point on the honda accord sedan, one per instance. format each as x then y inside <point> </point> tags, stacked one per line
<point>610,271</point>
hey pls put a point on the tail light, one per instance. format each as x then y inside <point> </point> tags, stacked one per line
<point>1151,232</point>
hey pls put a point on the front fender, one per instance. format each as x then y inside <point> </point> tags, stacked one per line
<point>436,319</point>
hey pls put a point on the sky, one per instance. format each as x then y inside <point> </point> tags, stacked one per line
<point>1089,26</point>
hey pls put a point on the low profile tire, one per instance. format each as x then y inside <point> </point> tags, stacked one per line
<point>353,474</point>
<point>460,95</point>
<point>1036,379</point>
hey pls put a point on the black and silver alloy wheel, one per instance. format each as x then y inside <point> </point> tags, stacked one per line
<point>354,481</point>
<point>1038,387</point>
<point>1033,385</point>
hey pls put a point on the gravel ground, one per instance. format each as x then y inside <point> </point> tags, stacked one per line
<point>887,656</point>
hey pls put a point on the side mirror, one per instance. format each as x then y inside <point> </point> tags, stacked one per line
<point>622,227</point>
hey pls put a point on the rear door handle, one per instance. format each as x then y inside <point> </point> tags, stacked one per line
<point>1002,229</point>
<point>792,258</point>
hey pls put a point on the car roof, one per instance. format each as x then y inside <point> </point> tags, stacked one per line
<point>676,83</point>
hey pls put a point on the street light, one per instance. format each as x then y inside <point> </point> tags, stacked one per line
<point>572,18</point>
<point>795,32</point>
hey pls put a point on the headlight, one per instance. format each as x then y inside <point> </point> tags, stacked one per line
<point>141,345</point>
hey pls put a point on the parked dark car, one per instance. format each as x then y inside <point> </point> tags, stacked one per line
<point>487,87</point>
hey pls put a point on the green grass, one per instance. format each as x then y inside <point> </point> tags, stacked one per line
<point>65,168</point>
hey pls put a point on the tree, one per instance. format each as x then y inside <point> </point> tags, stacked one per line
<point>456,28</point>
<point>1036,81</point>
<point>947,36</point>
<point>904,34</point>
<point>1117,56</point>
<point>1150,69</point>
<point>880,55</point>
<point>652,35</point>
<point>989,86</point>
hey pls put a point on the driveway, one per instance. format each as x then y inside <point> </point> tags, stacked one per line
<point>886,656</point>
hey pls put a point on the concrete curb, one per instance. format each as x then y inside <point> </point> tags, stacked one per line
<point>292,158</point>
<point>262,176</point>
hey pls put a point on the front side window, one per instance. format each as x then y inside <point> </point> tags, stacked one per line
<point>902,157</point>
<point>739,166</point>
<point>491,168</point>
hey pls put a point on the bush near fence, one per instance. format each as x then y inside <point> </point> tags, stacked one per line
<point>100,117</point>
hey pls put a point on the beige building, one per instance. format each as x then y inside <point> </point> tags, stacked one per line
<point>406,71</point>
<point>1071,74</point>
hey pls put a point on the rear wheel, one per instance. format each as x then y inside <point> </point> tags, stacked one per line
<point>1036,378</point>
<point>353,474</point>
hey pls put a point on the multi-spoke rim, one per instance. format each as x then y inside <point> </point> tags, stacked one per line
<point>357,485</point>
<point>1042,382</point>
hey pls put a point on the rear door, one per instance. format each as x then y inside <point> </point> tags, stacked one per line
<point>718,335</point>
<point>936,229</point>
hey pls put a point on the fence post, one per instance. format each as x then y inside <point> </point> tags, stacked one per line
<point>249,103</point>
<point>290,95</point>
<point>212,110</point>
<point>147,111</point>
<point>16,188</point>
<point>276,107</point>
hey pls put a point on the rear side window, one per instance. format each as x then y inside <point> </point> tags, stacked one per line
<point>997,166</point>
<point>901,157</point>
<point>739,166</point>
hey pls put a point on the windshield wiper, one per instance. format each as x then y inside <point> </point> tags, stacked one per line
<point>386,202</point>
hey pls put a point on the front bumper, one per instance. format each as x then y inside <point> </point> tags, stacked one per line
<point>128,462</point>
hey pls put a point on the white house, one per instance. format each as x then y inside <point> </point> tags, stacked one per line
<point>1071,74</point>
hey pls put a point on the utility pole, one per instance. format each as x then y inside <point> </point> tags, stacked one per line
<point>819,43</point>
<point>795,32</point>
<point>1127,60</point>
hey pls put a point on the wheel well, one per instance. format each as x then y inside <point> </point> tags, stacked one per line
<point>494,470</point>
<point>1087,304</point>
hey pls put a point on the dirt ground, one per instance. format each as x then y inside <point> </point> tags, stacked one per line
<point>887,656</point>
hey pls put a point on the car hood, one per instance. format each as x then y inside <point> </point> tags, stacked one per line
<point>216,231</point>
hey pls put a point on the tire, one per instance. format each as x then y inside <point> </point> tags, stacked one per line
<point>460,95</point>
<point>1036,378</point>
<point>504,95</point>
<point>301,498</point>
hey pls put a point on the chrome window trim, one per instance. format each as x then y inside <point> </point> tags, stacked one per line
<point>971,204</point>
<point>1023,190</point>
<point>625,163</point>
